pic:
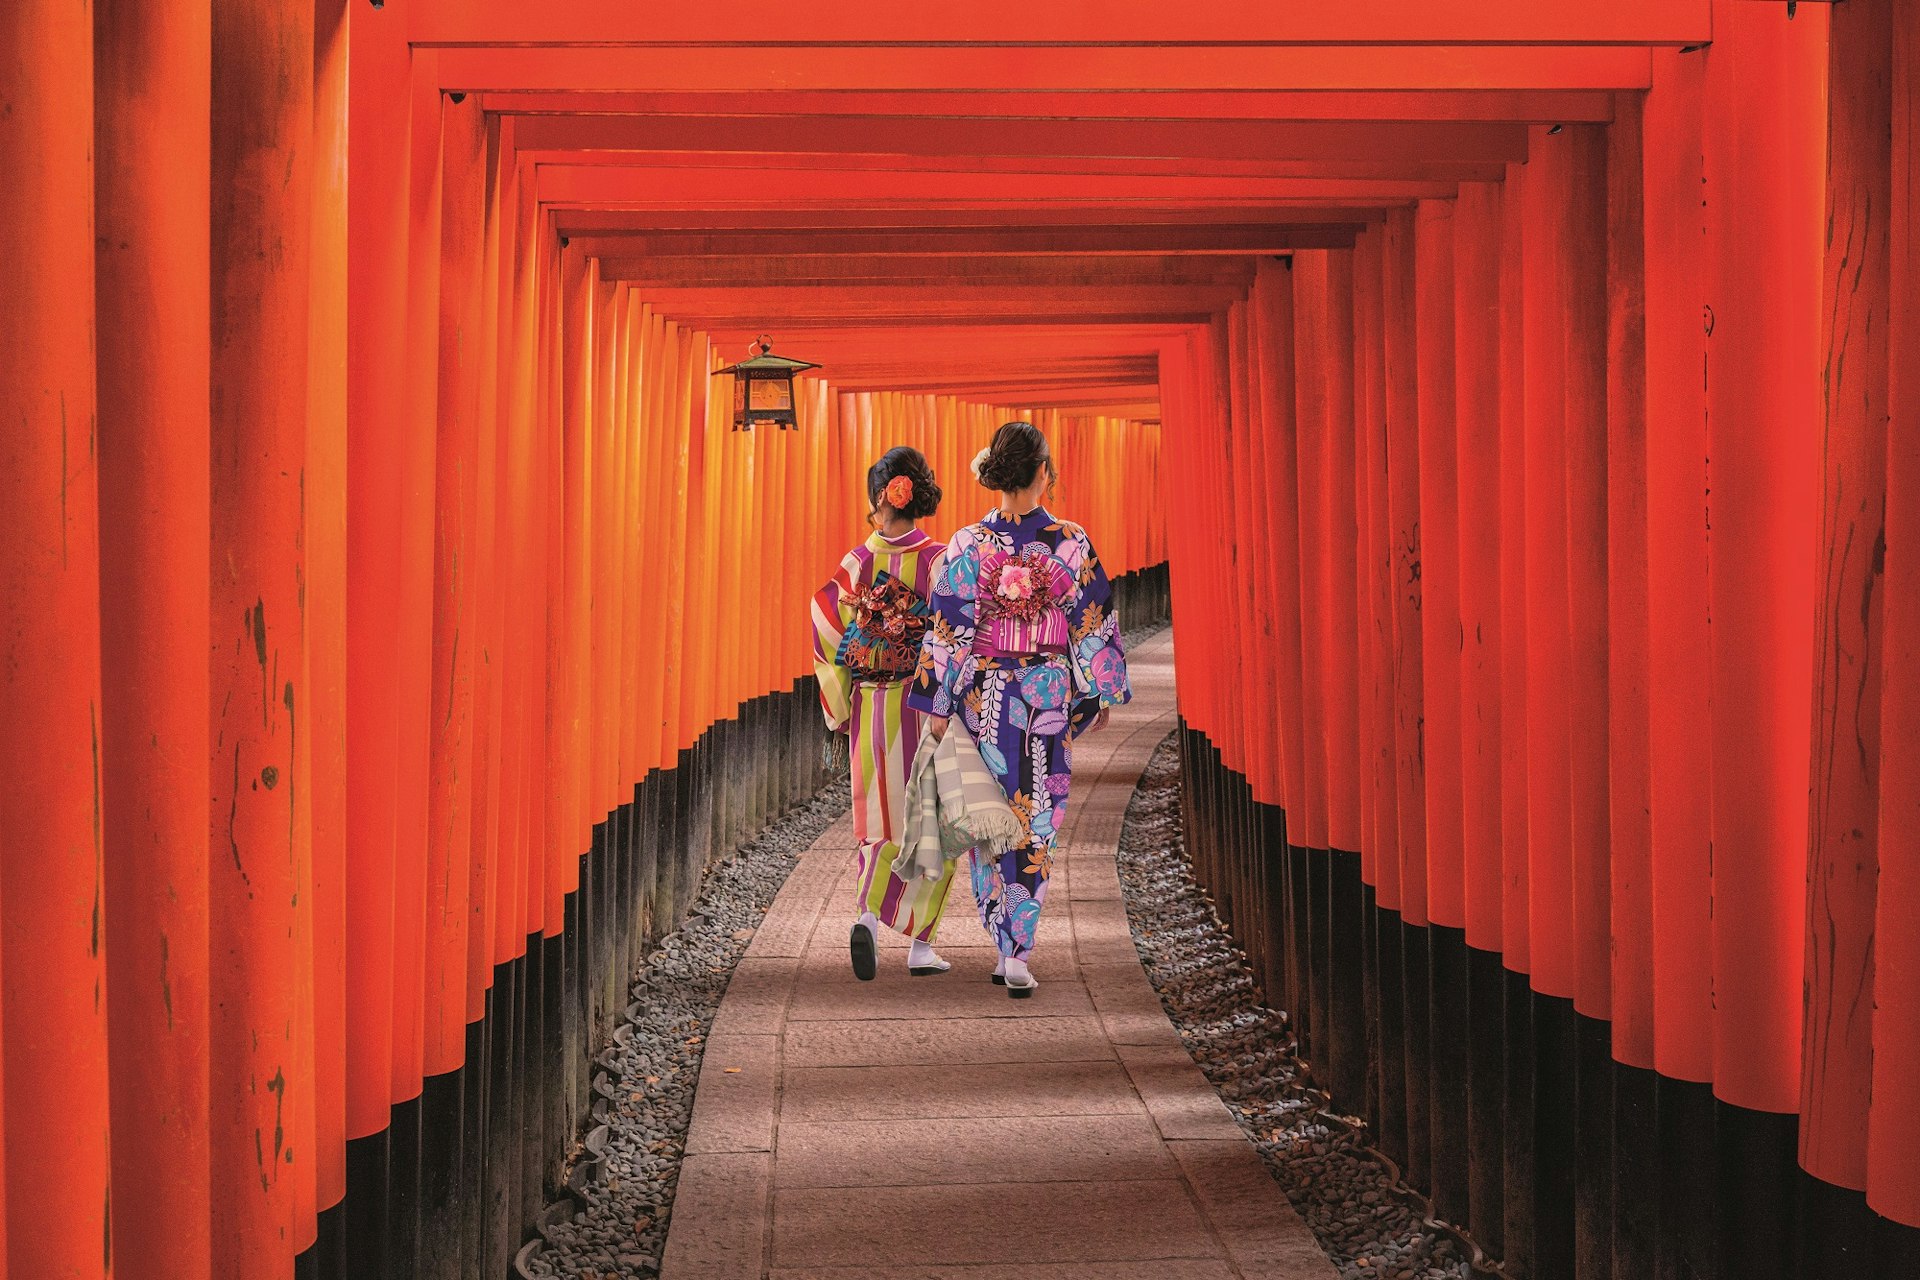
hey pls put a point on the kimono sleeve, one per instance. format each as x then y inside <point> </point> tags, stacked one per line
<point>832,613</point>
<point>946,651</point>
<point>1099,658</point>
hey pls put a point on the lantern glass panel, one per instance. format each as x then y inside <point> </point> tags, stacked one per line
<point>770,394</point>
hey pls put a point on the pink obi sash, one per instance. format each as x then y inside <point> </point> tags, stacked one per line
<point>1019,604</point>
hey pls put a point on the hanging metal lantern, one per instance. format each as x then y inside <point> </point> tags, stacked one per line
<point>763,387</point>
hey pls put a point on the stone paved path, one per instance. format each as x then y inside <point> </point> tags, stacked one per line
<point>933,1127</point>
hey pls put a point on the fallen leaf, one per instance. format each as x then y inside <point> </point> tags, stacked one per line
<point>733,1071</point>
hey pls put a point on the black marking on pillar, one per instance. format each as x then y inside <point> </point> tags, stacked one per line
<point>1555,1048</point>
<point>1635,1243</point>
<point>1486,1034</point>
<point>1594,1069</point>
<point>441,1102</point>
<point>1448,1074</point>
<point>1518,1165</point>
<point>1758,1187</point>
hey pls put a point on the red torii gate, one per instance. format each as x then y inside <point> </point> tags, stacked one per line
<point>282,274</point>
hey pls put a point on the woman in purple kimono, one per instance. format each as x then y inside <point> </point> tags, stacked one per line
<point>1025,648</point>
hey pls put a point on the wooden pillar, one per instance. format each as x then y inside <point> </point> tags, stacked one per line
<point>54,1174</point>
<point>151,218</point>
<point>1476,330</point>
<point>376,442</point>
<point>1584,294</point>
<point>1764,173</point>
<point>1439,558</point>
<point>1893,1176</point>
<point>1406,580</point>
<point>1341,626</point>
<point>261,934</point>
<point>326,542</point>
<point>1680,722</point>
<point>1844,779</point>
<point>1629,786</point>
<point>1544,203</point>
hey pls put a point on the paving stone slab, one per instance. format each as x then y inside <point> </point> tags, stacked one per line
<point>956,1042</point>
<point>1264,1236</point>
<point>719,1218</point>
<point>1038,1222</point>
<point>903,1153</point>
<point>910,1092</point>
<point>739,1080</point>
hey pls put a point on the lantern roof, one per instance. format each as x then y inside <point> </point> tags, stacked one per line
<point>767,362</point>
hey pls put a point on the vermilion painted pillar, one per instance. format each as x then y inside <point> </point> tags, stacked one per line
<point>1629,784</point>
<point>1845,777</point>
<point>1764,174</point>
<point>1272,301</point>
<point>415,423</point>
<point>376,443</point>
<point>1893,1176</point>
<point>1341,625</point>
<point>1544,202</point>
<point>263,125</point>
<point>1406,580</point>
<point>1584,323</point>
<point>327,595</point>
<point>1311,339</point>
<point>1516,906</point>
<point>1439,558</point>
<point>1680,724</point>
<point>449,826</point>
<point>55,1166</point>
<point>1476,339</point>
<point>1376,541</point>
<point>151,219</point>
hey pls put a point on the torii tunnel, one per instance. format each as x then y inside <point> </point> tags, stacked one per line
<point>1509,401</point>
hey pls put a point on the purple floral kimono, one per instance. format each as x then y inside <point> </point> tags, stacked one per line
<point>1025,650</point>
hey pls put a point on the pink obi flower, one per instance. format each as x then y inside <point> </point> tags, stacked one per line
<point>1022,587</point>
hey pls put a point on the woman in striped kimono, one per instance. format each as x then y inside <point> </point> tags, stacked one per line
<point>1025,648</point>
<point>867,625</point>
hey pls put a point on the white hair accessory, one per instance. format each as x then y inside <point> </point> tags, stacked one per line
<point>979,462</point>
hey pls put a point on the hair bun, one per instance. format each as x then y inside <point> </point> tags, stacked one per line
<point>1014,459</point>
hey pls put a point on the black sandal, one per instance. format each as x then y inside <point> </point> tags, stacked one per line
<point>866,963</point>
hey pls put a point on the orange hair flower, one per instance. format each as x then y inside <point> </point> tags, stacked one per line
<point>899,492</point>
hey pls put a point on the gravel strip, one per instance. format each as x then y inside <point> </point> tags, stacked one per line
<point>624,1230</point>
<point>1369,1224</point>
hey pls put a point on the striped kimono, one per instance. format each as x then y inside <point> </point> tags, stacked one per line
<point>884,736</point>
<point>1026,650</point>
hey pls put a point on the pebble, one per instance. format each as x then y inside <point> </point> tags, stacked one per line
<point>1366,1224</point>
